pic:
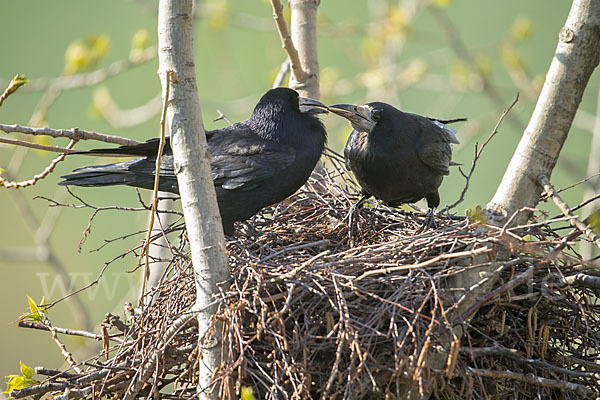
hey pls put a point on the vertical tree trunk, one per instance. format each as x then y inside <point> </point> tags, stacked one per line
<point>576,57</point>
<point>192,166</point>
<point>304,37</point>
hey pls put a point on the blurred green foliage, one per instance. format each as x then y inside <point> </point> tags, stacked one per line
<point>395,51</point>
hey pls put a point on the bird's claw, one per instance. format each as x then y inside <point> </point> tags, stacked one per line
<point>429,222</point>
<point>352,217</point>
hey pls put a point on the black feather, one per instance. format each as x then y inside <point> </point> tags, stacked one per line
<point>254,163</point>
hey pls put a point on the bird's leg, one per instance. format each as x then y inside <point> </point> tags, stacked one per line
<point>430,219</point>
<point>355,209</point>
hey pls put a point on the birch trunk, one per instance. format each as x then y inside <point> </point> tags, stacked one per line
<point>192,166</point>
<point>576,57</point>
<point>304,36</point>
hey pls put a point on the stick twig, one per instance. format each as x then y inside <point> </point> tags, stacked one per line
<point>478,153</point>
<point>161,147</point>
<point>73,133</point>
<point>42,175</point>
<point>566,210</point>
<point>286,41</point>
<point>535,380</point>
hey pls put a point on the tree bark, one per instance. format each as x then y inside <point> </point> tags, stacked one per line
<point>576,57</point>
<point>192,166</point>
<point>304,36</point>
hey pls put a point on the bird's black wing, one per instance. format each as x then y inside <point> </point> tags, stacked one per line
<point>435,148</point>
<point>240,160</point>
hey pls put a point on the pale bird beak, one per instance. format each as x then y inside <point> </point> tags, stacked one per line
<point>312,106</point>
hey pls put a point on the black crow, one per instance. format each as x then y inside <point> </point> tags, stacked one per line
<point>255,163</point>
<point>397,157</point>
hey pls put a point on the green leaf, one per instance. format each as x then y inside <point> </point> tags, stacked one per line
<point>593,221</point>
<point>15,382</point>
<point>16,82</point>
<point>32,306</point>
<point>26,371</point>
<point>37,313</point>
<point>521,29</point>
<point>441,3</point>
<point>476,214</point>
<point>247,393</point>
<point>139,40</point>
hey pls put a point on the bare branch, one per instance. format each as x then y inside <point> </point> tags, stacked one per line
<point>13,86</point>
<point>478,153</point>
<point>286,41</point>
<point>161,147</point>
<point>42,175</point>
<point>304,35</point>
<point>67,82</point>
<point>73,133</point>
<point>283,71</point>
<point>566,210</point>
<point>535,380</point>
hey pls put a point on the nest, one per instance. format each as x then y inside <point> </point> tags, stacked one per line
<point>310,313</point>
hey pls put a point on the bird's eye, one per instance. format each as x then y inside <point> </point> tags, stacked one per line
<point>376,115</point>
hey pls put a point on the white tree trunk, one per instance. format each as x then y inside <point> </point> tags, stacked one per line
<point>304,36</point>
<point>192,166</point>
<point>576,57</point>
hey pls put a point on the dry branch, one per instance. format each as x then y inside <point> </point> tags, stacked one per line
<point>566,210</point>
<point>307,314</point>
<point>286,41</point>
<point>73,134</point>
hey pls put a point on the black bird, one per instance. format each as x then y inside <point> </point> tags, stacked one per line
<point>254,163</point>
<point>397,157</point>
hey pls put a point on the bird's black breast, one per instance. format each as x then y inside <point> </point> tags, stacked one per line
<point>387,164</point>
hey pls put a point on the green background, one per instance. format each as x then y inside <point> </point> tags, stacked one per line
<point>235,65</point>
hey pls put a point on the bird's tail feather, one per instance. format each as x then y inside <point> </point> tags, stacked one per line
<point>449,121</point>
<point>99,175</point>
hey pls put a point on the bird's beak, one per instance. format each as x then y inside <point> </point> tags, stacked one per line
<point>312,106</point>
<point>359,116</point>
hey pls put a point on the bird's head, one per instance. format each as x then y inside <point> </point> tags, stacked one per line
<point>363,118</point>
<point>283,115</point>
<point>282,99</point>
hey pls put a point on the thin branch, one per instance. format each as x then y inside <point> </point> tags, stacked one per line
<point>38,177</point>
<point>283,71</point>
<point>148,368</point>
<point>472,253</point>
<point>13,86</point>
<point>67,82</point>
<point>73,133</point>
<point>222,117</point>
<point>566,210</point>
<point>120,118</point>
<point>286,41</point>
<point>535,380</point>
<point>65,331</point>
<point>478,153</point>
<point>161,147</point>
<point>23,143</point>
<point>463,53</point>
